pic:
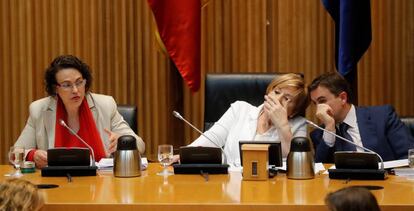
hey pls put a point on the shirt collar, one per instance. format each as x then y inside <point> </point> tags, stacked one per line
<point>254,113</point>
<point>350,118</point>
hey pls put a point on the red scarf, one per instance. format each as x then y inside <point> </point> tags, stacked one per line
<point>87,130</point>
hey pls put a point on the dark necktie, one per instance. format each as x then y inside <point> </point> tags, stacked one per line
<point>343,131</point>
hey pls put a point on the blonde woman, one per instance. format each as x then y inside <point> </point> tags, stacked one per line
<point>277,119</point>
<point>19,195</point>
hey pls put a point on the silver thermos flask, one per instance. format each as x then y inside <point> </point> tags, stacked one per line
<point>127,160</point>
<point>300,161</point>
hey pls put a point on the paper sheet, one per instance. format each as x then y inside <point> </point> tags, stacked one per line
<point>389,164</point>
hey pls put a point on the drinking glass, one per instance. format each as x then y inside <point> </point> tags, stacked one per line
<point>411,158</point>
<point>165,155</point>
<point>16,156</point>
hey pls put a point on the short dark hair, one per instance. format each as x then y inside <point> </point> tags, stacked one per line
<point>334,82</point>
<point>352,198</point>
<point>63,62</point>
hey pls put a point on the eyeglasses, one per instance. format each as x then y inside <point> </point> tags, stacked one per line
<point>68,86</point>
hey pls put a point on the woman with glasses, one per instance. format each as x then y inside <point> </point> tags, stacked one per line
<point>93,117</point>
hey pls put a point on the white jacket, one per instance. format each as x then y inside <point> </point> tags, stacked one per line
<point>239,123</point>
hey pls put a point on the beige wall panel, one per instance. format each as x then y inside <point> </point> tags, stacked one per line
<point>386,71</point>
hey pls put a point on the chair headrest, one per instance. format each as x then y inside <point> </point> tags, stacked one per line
<point>223,89</point>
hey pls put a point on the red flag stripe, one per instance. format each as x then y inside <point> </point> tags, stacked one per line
<point>179,23</point>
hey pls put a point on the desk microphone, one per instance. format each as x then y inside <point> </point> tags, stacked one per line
<point>346,140</point>
<point>61,122</point>
<point>178,115</point>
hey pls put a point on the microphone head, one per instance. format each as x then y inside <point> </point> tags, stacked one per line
<point>61,122</point>
<point>176,114</point>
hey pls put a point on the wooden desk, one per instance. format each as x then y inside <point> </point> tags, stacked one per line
<point>192,192</point>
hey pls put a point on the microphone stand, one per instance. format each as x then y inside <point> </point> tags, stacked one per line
<point>178,115</point>
<point>346,140</point>
<point>69,171</point>
<point>61,122</point>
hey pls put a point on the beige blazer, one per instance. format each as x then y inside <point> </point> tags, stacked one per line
<point>39,132</point>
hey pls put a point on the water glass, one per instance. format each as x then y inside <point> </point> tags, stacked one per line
<point>16,157</point>
<point>165,156</point>
<point>411,158</point>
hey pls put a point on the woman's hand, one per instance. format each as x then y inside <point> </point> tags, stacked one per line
<point>175,159</point>
<point>275,107</point>
<point>113,137</point>
<point>40,158</point>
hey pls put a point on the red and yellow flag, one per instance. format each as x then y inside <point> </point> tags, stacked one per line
<point>179,26</point>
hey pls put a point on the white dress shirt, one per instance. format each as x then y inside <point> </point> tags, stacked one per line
<point>239,123</point>
<point>353,130</point>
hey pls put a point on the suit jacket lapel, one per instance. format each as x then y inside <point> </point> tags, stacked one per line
<point>49,116</point>
<point>91,104</point>
<point>365,125</point>
<point>95,114</point>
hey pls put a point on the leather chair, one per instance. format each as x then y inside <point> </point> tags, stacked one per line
<point>129,112</point>
<point>409,122</point>
<point>221,90</point>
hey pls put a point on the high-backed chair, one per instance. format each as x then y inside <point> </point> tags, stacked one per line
<point>221,90</point>
<point>130,114</point>
<point>409,122</point>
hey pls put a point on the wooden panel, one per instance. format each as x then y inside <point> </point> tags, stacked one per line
<point>267,36</point>
<point>116,38</point>
<point>386,71</point>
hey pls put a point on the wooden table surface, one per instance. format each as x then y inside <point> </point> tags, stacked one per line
<point>192,192</point>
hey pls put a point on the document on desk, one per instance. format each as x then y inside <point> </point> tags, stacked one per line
<point>405,172</point>
<point>318,167</point>
<point>395,163</point>
<point>389,164</point>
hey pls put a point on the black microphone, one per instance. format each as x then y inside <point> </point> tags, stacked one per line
<point>178,115</point>
<point>346,140</point>
<point>61,122</point>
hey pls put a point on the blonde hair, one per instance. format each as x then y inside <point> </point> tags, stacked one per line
<point>19,195</point>
<point>296,81</point>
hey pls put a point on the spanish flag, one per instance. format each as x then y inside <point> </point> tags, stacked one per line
<point>352,31</point>
<point>179,26</point>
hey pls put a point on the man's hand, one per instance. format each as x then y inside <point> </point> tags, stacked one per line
<point>325,115</point>
<point>175,159</point>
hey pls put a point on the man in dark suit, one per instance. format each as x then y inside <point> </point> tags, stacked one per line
<point>377,127</point>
